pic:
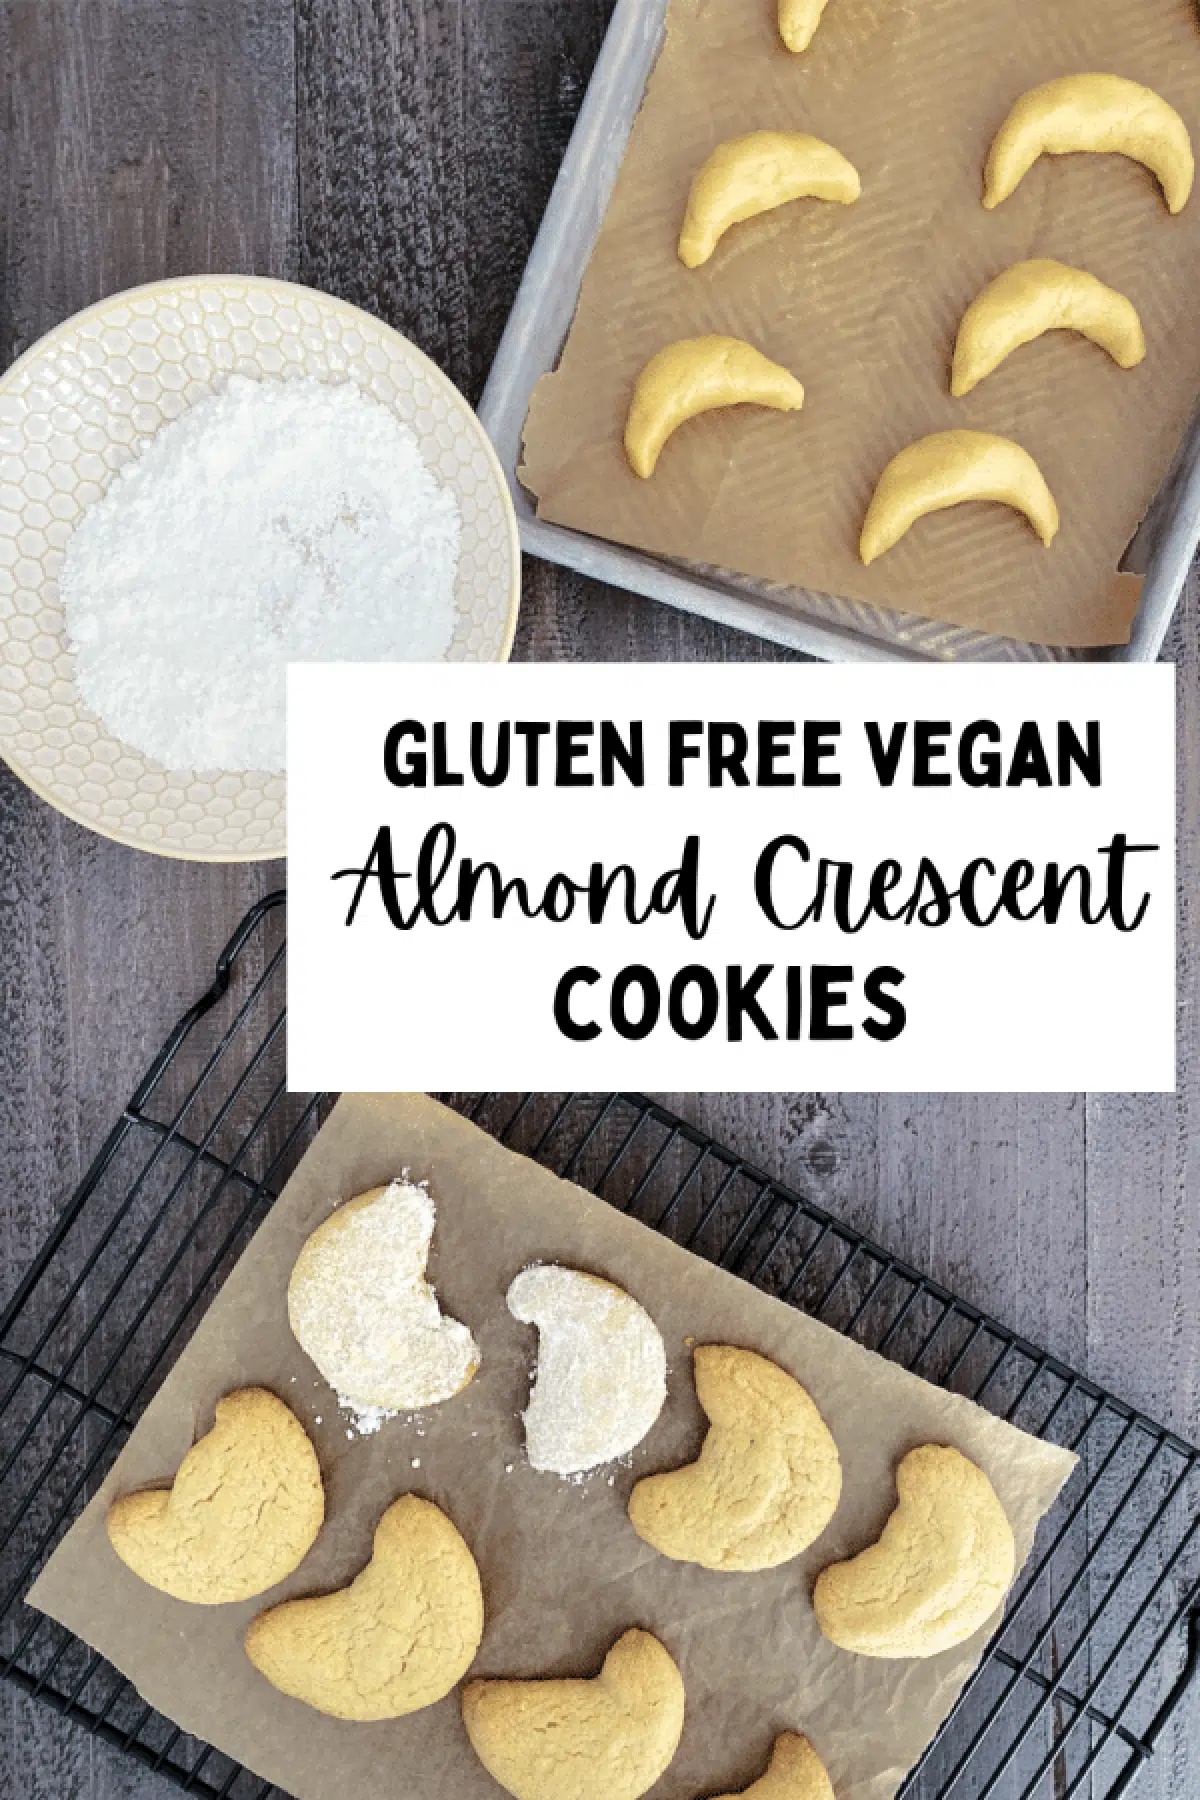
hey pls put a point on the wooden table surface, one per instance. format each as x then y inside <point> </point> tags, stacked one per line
<point>399,153</point>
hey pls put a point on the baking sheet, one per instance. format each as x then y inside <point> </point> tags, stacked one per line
<point>563,1572</point>
<point>864,302</point>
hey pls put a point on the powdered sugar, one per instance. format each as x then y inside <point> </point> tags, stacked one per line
<point>601,1374</point>
<point>367,1419</point>
<point>360,1305</point>
<point>274,522</point>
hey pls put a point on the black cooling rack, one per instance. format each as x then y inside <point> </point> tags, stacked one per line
<point>1101,1638</point>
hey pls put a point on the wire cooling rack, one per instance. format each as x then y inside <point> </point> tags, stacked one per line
<point>1101,1637</point>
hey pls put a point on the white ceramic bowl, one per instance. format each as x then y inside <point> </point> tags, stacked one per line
<point>77,406</point>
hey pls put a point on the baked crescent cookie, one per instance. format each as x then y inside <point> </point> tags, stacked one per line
<point>400,1637</point>
<point>360,1305</point>
<point>768,1478</point>
<point>605,1739</point>
<point>938,1573</point>
<point>601,1372</point>
<point>795,1772</point>
<point>243,1511</point>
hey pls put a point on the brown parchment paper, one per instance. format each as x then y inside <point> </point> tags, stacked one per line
<point>563,1572</point>
<point>863,304</point>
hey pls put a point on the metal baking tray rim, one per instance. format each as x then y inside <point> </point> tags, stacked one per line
<point>532,343</point>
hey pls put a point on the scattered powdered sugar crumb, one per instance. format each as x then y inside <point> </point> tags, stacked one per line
<point>416,1462</point>
<point>367,1419</point>
<point>275,522</point>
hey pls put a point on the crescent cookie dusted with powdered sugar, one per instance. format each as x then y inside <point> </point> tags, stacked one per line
<point>360,1305</point>
<point>601,1374</point>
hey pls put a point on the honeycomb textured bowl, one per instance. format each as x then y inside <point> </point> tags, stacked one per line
<point>78,406</point>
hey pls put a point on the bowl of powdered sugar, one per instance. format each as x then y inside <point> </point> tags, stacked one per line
<point>200,482</point>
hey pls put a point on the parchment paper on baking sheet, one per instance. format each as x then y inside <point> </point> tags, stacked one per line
<point>563,1571</point>
<point>863,304</point>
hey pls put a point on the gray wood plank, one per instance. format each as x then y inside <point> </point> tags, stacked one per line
<point>144,138</point>
<point>429,139</point>
<point>400,154</point>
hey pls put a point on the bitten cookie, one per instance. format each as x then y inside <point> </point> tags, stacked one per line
<point>767,1480</point>
<point>398,1638</point>
<point>359,1304</point>
<point>601,1373</point>
<point>242,1513</point>
<point>795,1772</point>
<point>941,1568</point>
<point>606,1739</point>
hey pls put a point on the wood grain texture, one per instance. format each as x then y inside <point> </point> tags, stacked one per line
<point>399,153</point>
<point>428,140</point>
<point>143,138</point>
